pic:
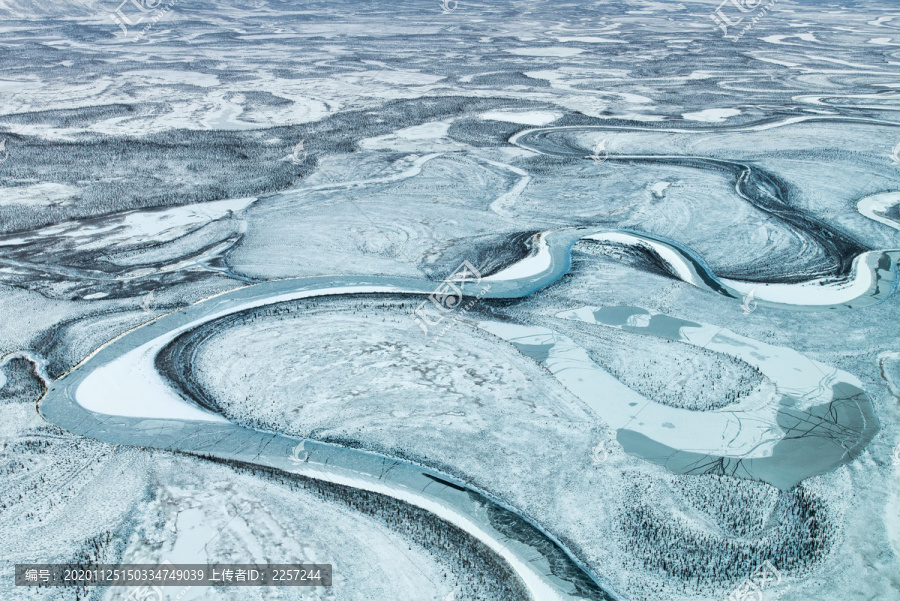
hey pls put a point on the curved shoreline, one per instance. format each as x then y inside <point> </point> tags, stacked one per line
<point>879,206</point>
<point>80,400</point>
<point>150,413</point>
<point>874,276</point>
<point>753,184</point>
<point>819,419</point>
<point>199,431</point>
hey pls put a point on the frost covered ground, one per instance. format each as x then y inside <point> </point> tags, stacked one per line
<point>735,168</point>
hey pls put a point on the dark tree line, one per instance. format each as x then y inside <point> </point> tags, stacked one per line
<point>476,571</point>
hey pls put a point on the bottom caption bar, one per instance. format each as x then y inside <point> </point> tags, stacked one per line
<point>169,574</point>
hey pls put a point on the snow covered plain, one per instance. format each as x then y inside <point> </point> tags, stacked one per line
<point>746,190</point>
